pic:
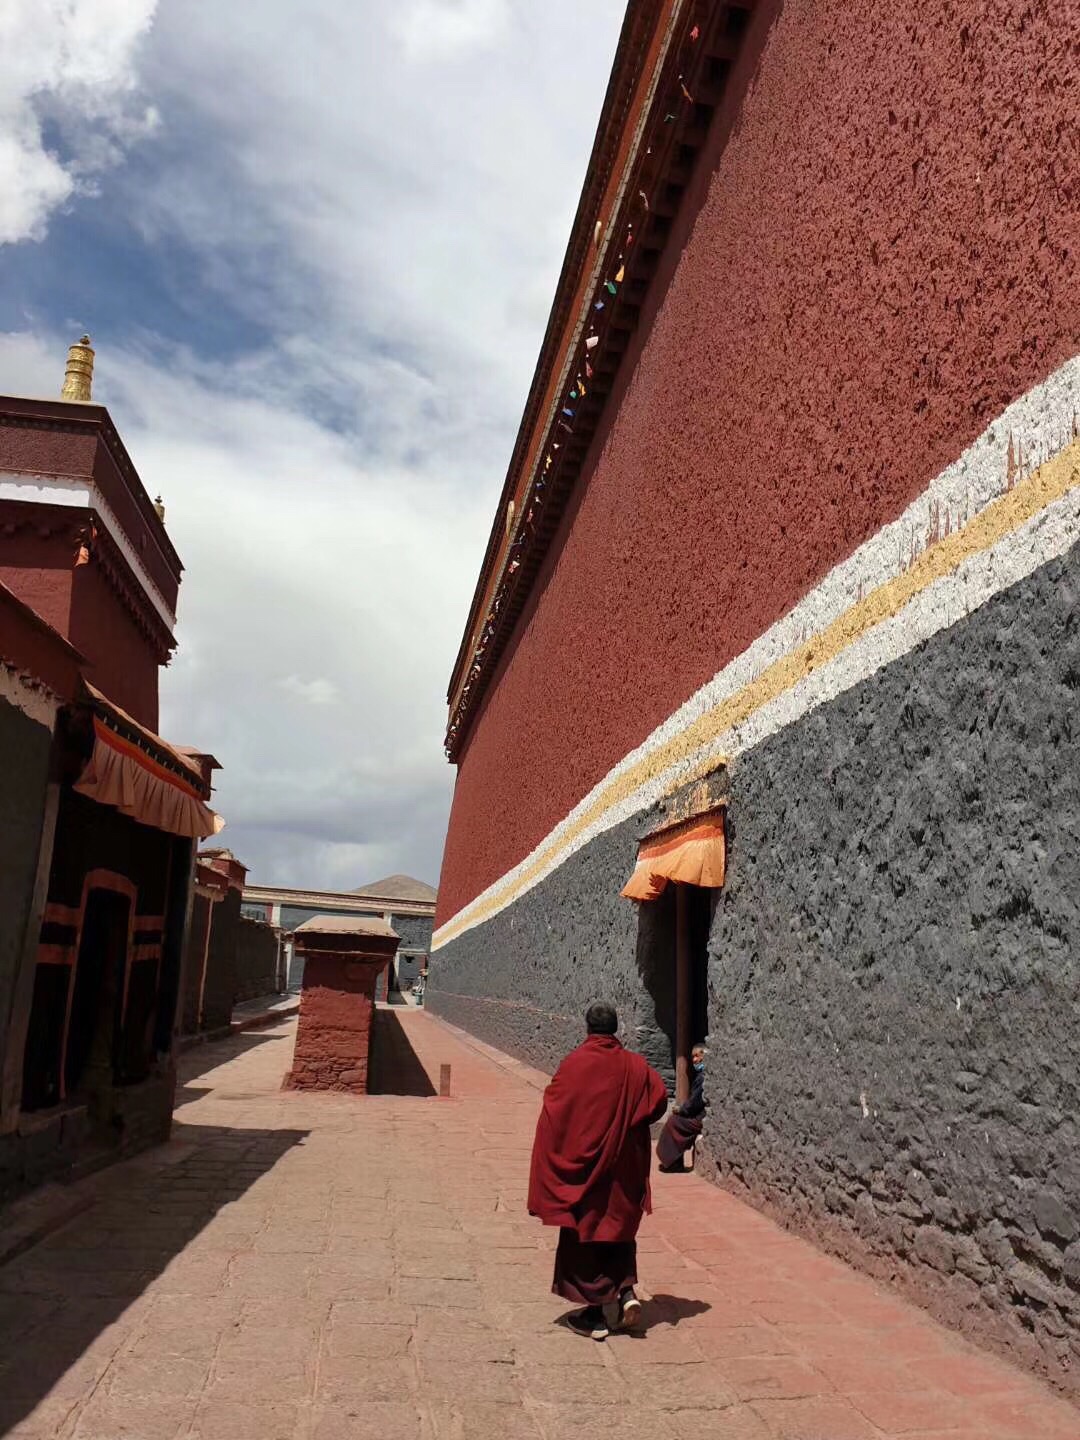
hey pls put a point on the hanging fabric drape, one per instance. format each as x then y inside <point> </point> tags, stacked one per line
<point>139,783</point>
<point>694,853</point>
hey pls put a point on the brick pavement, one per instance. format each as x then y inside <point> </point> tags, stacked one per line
<point>305,1267</point>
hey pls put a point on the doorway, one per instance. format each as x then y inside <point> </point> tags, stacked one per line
<point>97,1001</point>
<point>673,961</point>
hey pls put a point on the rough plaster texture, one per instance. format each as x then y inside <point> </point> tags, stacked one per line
<point>195,951</point>
<point>256,959</point>
<point>880,266</point>
<point>896,974</point>
<point>123,661</point>
<point>91,836</point>
<point>893,972</point>
<point>333,1036</point>
<point>414,930</point>
<point>524,980</point>
<point>219,993</point>
<point>82,605</point>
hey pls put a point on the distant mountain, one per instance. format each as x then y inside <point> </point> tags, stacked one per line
<point>399,887</point>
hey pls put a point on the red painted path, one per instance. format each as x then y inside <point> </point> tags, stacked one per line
<point>315,1267</point>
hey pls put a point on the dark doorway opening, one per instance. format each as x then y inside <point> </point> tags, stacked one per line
<point>97,1002</point>
<point>43,1058</point>
<point>673,961</point>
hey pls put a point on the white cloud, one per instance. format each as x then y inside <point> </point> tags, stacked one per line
<point>312,692</point>
<point>437,29</point>
<point>394,212</point>
<point>71,63</point>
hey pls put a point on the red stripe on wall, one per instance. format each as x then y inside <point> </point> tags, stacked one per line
<point>879,268</point>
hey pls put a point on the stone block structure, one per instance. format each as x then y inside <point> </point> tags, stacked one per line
<point>406,904</point>
<point>344,958</point>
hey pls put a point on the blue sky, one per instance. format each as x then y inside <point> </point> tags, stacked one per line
<point>315,246</point>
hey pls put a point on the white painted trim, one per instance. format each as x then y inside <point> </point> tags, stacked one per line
<point>84,494</point>
<point>1036,427</point>
<point>36,704</point>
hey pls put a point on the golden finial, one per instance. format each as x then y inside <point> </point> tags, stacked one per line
<point>79,376</point>
<point>160,508</point>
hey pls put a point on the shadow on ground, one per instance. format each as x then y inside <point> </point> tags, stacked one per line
<point>394,1068</point>
<point>200,1059</point>
<point>61,1297</point>
<point>669,1310</point>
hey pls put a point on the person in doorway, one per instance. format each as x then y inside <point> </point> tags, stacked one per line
<point>590,1171</point>
<point>684,1123</point>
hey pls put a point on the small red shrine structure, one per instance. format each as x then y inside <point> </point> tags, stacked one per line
<point>344,957</point>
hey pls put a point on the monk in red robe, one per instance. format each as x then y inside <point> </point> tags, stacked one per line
<point>590,1171</point>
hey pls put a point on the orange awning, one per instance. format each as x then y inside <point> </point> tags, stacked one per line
<point>123,775</point>
<point>694,853</point>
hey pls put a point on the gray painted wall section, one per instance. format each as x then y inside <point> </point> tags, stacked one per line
<point>894,971</point>
<point>414,930</point>
<point>524,980</point>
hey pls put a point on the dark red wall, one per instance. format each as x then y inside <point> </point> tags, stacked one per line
<point>79,602</point>
<point>54,439</point>
<point>34,450</point>
<point>885,259</point>
<point>123,660</point>
<point>333,1035</point>
<point>38,569</point>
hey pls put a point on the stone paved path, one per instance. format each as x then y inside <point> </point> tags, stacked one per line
<point>296,1267</point>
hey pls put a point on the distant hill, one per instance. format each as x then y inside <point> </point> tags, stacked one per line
<point>399,887</point>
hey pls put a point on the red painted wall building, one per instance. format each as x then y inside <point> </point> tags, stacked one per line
<point>101,813</point>
<point>792,512</point>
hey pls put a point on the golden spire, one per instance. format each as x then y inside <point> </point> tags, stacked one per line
<point>79,375</point>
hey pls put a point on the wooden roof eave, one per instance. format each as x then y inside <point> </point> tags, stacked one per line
<point>626,72</point>
<point>663,156</point>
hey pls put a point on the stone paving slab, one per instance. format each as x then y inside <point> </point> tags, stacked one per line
<point>304,1267</point>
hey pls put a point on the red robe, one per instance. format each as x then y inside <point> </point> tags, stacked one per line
<point>591,1155</point>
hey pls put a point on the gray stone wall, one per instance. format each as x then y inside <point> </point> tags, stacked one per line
<point>893,970</point>
<point>524,979</point>
<point>201,914</point>
<point>219,992</point>
<point>256,959</point>
<point>414,931</point>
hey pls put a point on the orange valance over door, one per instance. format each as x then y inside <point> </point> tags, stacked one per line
<point>694,853</point>
<point>123,775</point>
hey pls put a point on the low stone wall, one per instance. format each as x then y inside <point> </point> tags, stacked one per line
<point>257,946</point>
